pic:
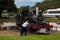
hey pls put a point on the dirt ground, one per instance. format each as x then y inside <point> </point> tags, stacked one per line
<point>9,32</point>
<point>15,32</point>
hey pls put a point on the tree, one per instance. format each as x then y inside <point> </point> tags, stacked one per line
<point>37,4</point>
<point>48,4</point>
<point>7,5</point>
<point>24,10</point>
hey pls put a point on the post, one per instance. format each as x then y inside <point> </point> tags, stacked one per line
<point>56,29</point>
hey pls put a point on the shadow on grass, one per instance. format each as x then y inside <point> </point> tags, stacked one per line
<point>43,33</point>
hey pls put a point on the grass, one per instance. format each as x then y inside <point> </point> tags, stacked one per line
<point>32,37</point>
<point>56,20</point>
<point>8,20</point>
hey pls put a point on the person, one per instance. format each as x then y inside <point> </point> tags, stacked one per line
<point>24,28</point>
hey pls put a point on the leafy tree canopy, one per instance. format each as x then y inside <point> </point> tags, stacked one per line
<point>48,4</point>
<point>7,5</point>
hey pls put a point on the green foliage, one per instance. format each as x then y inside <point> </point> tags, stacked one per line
<point>33,8</point>
<point>7,5</point>
<point>4,11</point>
<point>48,4</point>
<point>24,7</point>
<point>37,4</point>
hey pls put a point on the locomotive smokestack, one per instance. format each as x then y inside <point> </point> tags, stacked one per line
<point>37,13</point>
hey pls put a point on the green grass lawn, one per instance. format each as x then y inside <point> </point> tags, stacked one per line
<point>32,37</point>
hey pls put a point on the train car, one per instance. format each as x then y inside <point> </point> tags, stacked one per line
<point>52,13</point>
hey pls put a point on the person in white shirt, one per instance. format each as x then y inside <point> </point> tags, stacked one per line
<point>24,27</point>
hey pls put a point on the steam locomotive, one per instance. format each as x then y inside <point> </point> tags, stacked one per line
<point>38,25</point>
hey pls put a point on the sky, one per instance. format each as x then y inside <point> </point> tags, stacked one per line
<point>20,3</point>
